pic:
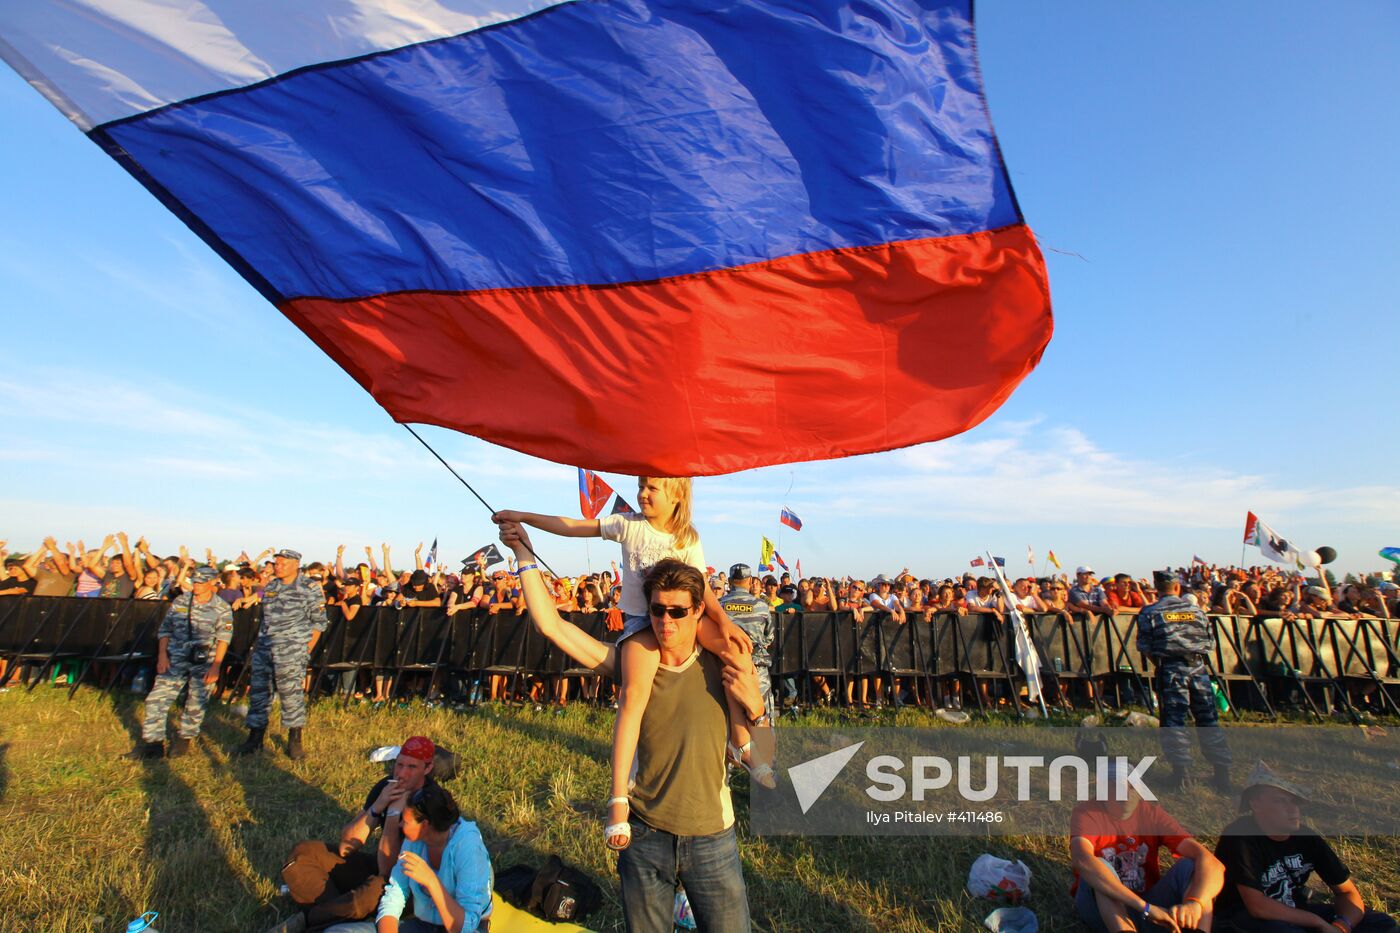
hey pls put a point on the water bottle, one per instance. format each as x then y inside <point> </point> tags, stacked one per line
<point>1222,702</point>
<point>142,924</point>
<point>138,685</point>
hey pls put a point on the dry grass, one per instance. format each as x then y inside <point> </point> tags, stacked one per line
<point>91,840</point>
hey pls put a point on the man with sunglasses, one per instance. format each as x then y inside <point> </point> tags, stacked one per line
<point>681,818</point>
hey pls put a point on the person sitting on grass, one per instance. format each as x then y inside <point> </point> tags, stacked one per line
<point>413,770</point>
<point>1118,885</point>
<point>1268,855</point>
<point>442,877</point>
<point>444,868</point>
<point>342,885</point>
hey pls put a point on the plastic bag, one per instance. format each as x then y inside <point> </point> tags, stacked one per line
<point>999,880</point>
<point>682,918</point>
<point>1012,920</point>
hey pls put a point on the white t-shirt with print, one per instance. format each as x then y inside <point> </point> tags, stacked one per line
<point>643,547</point>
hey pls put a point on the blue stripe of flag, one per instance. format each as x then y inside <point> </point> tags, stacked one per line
<point>593,143</point>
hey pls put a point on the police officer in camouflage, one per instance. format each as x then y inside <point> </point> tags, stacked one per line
<point>1179,638</point>
<point>753,615</point>
<point>293,618</point>
<point>194,636</point>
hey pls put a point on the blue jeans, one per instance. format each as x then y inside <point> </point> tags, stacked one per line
<point>631,625</point>
<point>708,866</point>
<point>1169,891</point>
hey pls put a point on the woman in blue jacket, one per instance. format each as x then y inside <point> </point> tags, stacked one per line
<point>443,866</point>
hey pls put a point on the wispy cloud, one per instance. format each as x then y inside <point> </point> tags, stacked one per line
<point>1020,473</point>
<point>171,463</point>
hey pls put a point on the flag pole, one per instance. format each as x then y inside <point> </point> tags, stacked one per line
<point>1013,614</point>
<point>588,556</point>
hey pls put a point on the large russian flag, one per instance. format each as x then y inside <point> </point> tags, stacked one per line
<point>671,237</point>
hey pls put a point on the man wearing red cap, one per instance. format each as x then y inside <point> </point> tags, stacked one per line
<point>342,885</point>
<point>412,769</point>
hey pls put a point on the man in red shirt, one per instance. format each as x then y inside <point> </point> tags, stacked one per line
<point>1125,595</point>
<point>1118,884</point>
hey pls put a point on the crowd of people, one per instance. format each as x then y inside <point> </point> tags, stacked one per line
<point>123,569</point>
<point>120,568</point>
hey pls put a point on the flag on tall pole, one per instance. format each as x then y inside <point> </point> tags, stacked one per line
<point>1026,655</point>
<point>1054,560</point>
<point>593,493</point>
<point>1271,544</point>
<point>779,558</point>
<point>765,552</point>
<point>1030,557</point>
<point>789,518</point>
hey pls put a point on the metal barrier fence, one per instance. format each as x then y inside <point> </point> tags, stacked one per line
<point>1260,663</point>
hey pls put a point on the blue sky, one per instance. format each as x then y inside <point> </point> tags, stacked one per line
<point>1215,187</point>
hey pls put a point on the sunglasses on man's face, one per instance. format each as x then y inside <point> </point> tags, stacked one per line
<point>675,612</point>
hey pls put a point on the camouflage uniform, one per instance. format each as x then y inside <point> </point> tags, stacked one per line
<point>755,617</point>
<point>187,622</point>
<point>1179,637</point>
<point>291,612</point>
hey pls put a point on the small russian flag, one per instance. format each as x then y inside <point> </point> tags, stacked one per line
<point>789,518</point>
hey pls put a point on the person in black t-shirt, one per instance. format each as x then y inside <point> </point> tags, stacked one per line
<point>1269,853</point>
<point>419,591</point>
<point>383,804</point>
<point>14,581</point>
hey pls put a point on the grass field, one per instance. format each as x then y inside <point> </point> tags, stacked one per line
<point>91,840</point>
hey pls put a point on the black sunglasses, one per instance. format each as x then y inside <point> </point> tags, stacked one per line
<point>675,612</point>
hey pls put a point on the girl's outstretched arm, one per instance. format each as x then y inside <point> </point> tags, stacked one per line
<point>554,524</point>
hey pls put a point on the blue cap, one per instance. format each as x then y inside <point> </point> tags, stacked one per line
<point>204,574</point>
<point>288,553</point>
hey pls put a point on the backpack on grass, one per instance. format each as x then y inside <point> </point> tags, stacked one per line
<point>555,892</point>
